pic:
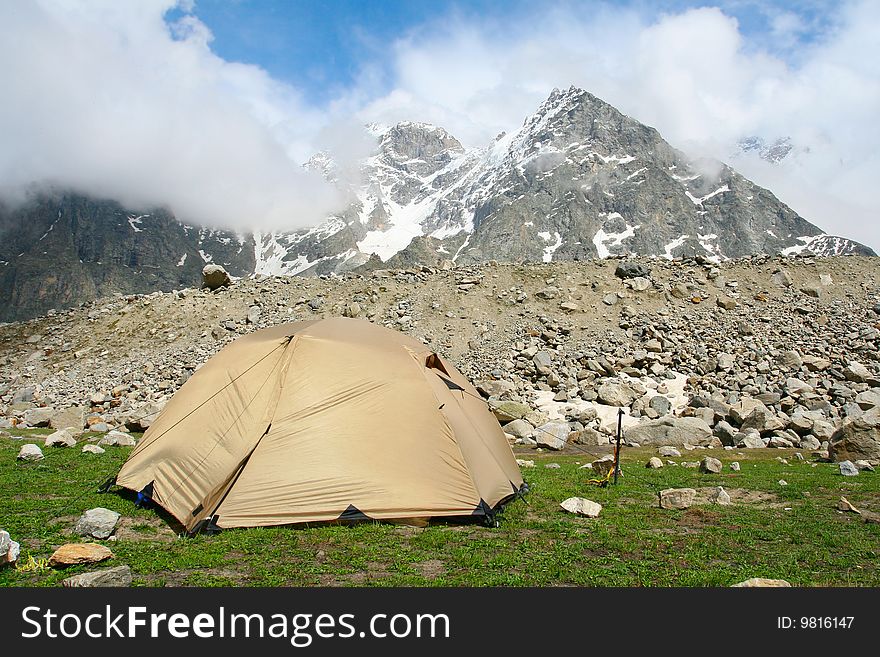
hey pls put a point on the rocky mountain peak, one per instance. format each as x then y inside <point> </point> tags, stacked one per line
<point>418,147</point>
<point>578,180</point>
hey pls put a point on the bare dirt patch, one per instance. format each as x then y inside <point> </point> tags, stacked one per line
<point>144,529</point>
<point>738,496</point>
<point>431,569</point>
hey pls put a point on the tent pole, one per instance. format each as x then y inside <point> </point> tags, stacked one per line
<point>617,449</point>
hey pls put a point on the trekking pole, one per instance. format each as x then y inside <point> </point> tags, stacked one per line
<point>617,449</point>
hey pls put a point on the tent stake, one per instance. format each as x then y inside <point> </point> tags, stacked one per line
<point>617,449</point>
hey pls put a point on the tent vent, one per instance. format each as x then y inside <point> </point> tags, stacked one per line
<point>198,510</point>
<point>433,361</point>
<point>353,513</point>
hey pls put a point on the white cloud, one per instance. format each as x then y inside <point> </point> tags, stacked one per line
<point>690,74</point>
<point>106,98</point>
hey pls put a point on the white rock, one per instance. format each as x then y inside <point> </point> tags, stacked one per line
<point>92,449</point>
<point>582,507</point>
<point>29,452</point>
<point>677,498</point>
<point>721,496</point>
<point>61,438</point>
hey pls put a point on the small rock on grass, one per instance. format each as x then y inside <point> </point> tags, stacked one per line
<point>582,507</point>
<point>525,464</point>
<point>654,463</point>
<point>710,465</point>
<point>92,449</point>
<point>721,496</point>
<point>844,504</point>
<point>29,452</point>
<point>677,498</point>
<point>735,466</point>
<point>72,554</point>
<point>98,523</point>
<point>848,469</point>
<point>761,582</point>
<point>119,576</point>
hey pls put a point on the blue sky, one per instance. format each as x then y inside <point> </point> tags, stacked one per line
<point>323,46</point>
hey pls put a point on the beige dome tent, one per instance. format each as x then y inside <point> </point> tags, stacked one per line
<point>323,420</point>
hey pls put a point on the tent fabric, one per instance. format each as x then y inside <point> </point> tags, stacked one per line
<point>322,420</point>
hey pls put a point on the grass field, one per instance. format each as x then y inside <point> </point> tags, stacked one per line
<point>791,532</point>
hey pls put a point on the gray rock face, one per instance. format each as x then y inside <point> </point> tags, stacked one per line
<point>99,248</point>
<point>721,496</point>
<point>868,399</point>
<point>673,431</point>
<point>660,404</point>
<point>119,576</point>
<point>29,453</point>
<point>215,277</point>
<point>97,523</point>
<point>143,417</point>
<point>513,200</point>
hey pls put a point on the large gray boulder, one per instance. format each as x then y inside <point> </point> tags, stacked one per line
<point>141,418</point>
<point>68,417</point>
<point>98,523</point>
<point>553,435</point>
<point>857,438</point>
<point>519,429</point>
<point>674,431</point>
<point>214,277</point>
<point>38,417</point>
<point>507,411</point>
<point>868,399</point>
<point>617,393</point>
<point>632,270</point>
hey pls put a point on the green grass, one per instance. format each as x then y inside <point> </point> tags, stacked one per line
<point>798,535</point>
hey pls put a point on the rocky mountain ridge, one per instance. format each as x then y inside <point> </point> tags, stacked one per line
<point>578,180</point>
